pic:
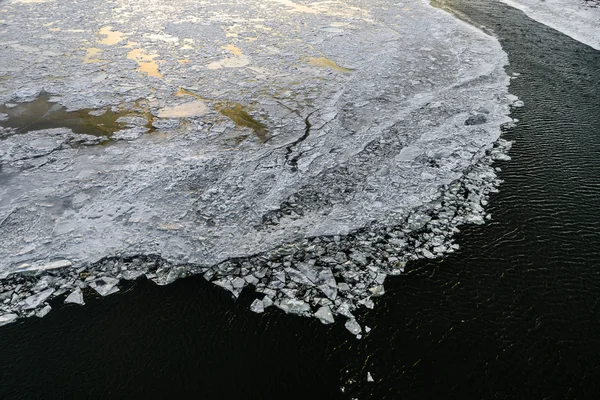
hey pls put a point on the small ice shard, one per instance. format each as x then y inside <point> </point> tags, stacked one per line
<point>105,286</point>
<point>377,290</point>
<point>501,157</point>
<point>343,287</point>
<point>43,312</point>
<point>267,301</point>
<point>294,306</point>
<point>257,306</point>
<point>325,316</point>
<point>511,98</point>
<point>369,377</point>
<point>367,329</point>
<point>367,303</point>
<point>132,275</point>
<point>353,327</point>
<point>298,277</point>
<point>428,254</point>
<point>76,297</point>
<point>34,301</point>
<point>475,219</point>
<point>7,319</point>
<point>238,283</point>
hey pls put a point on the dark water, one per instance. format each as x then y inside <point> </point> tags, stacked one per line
<point>45,114</point>
<point>514,314</point>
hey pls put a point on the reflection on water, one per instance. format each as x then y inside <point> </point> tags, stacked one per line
<point>327,63</point>
<point>44,114</point>
<point>91,56</point>
<point>146,63</point>
<point>237,113</point>
<point>112,37</point>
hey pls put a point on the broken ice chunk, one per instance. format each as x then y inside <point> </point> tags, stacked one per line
<point>325,316</point>
<point>34,301</point>
<point>257,306</point>
<point>105,286</point>
<point>7,319</point>
<point>76,297</point>
<point>293,306</point>
<point>43,312</point>
<point>377,290</point>
<point>353,327</point>
<point>369,377</point>
<point>267,301</point>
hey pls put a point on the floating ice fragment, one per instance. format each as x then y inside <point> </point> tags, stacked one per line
<point>43,312</point>
<point>238,283</point>
<point>267,301</point>
<point>325,316</point>
<point>293,306</point>
<point>501,157</point>
<point>428,254</point>
<point>369,377</point>
<point>132,275</point>
<point>475,219</point>
<point>76,297</point>
<point>353,326</point>
<point>257,306</point>
<point>367,303</point>
<point>105,286</point>
<point>34,301</point>
<point>377,290</point>
<point>7,319</point>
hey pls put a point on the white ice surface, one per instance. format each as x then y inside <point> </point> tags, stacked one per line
<point>575,18</point>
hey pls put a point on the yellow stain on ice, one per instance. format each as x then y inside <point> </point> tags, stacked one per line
<point>327,63</point>
<point>295,7</point>
<point>146,63</point>
<point>238,114</point>
<point>192,109</point>
<point>184,92</point>
<point>91,55</point>
<point>236,51</point>
<point>188,44</point>
<point>112,37</point>
<point>238,60</point>
<point>184,61</point>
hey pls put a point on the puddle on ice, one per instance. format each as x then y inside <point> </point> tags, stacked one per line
<point>112,37</point>
<point>91,55</point>
<point>327,63</point>
<point>236,51</point>
<point>145,62</point>
<point>234,111</point>
<point>44,114</point>
<point>237,113</point>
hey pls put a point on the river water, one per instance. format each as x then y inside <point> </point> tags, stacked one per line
<point>514,314</point>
